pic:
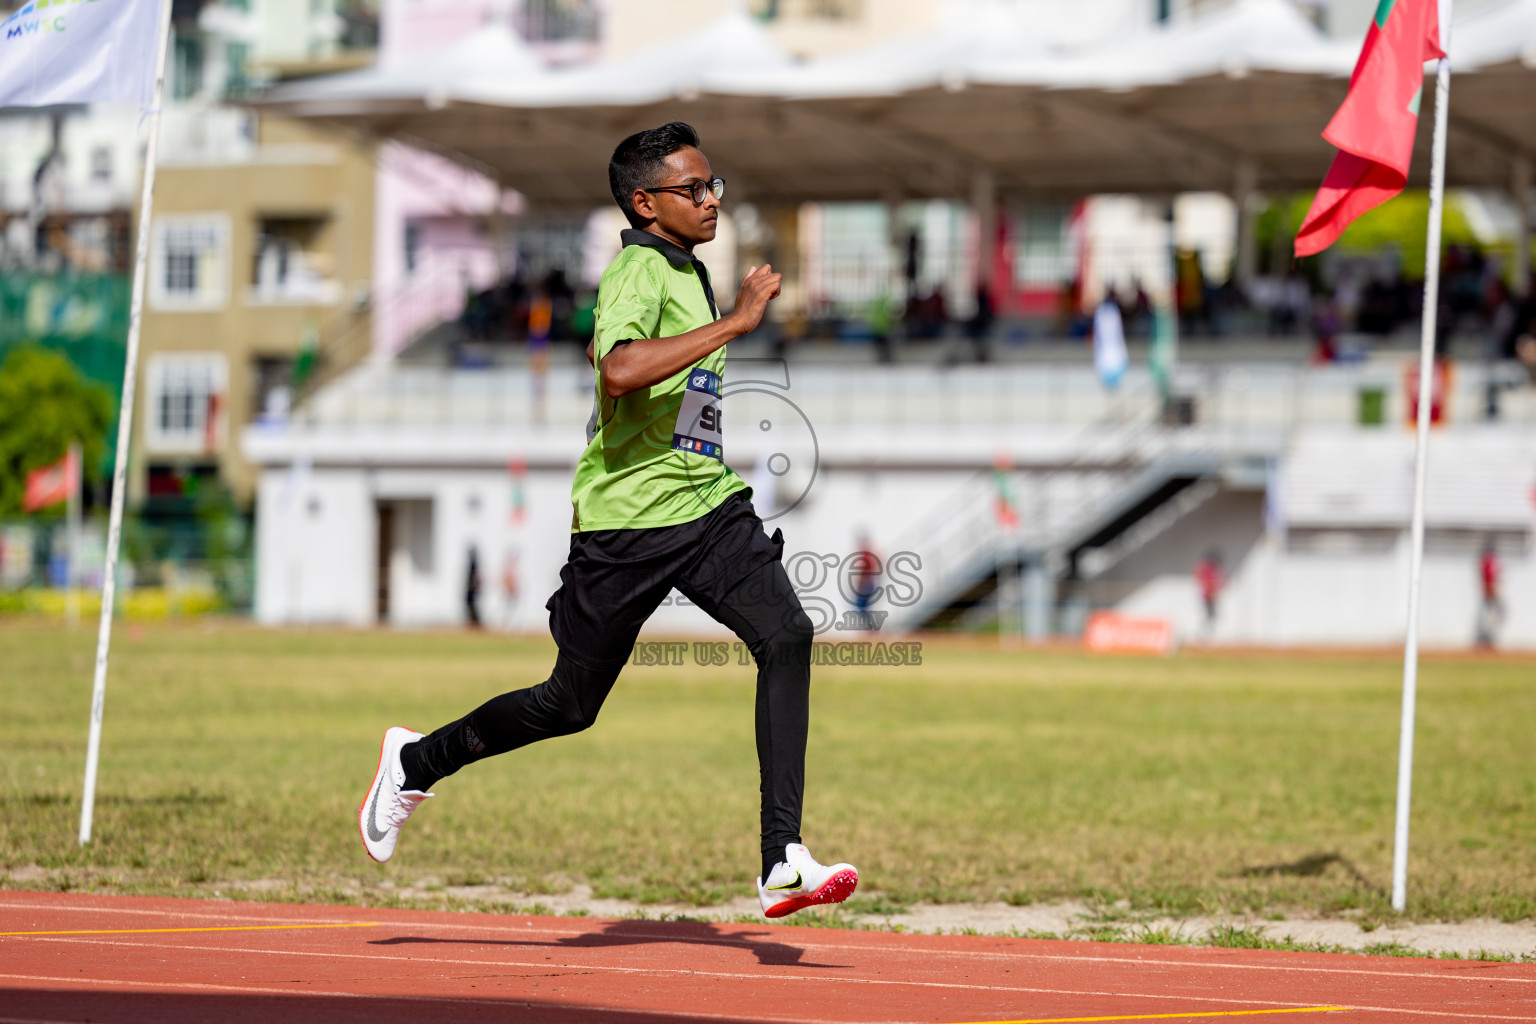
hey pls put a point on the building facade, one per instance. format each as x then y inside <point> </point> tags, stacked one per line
<point>260,272</point>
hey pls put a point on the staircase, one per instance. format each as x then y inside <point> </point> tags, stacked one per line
<point>1127,483</point>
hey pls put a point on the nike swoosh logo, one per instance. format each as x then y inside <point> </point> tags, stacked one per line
<point>785,887</point>
<point>373,806</point>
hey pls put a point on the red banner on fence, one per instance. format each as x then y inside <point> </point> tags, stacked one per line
<point>50,484</point>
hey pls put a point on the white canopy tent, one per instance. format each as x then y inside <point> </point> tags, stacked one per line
<point>1494,106</point>
<point>683,68</point>
<point>1495,37</point>
<point>1231,100</point>
<point>1246,37</point>
<point>968,32</point>
<point>491,53</point>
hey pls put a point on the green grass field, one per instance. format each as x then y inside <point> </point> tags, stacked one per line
<point>1200,783</point>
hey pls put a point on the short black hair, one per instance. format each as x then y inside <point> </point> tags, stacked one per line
<point>638,162</point>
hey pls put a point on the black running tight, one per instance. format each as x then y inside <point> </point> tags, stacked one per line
<point>762,610</point>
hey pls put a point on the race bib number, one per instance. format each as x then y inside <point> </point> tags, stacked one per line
<point>698,421</point>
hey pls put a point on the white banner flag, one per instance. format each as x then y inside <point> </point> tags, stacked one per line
<point>79,51</point>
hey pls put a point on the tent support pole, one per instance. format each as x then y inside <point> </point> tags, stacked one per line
<point>1245,258</point>
<point>984,203</point>
<point>124,434</point>
<point>1520,187</point>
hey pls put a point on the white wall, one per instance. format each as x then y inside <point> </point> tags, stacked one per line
<point>1283,596</point>
<point>317,539</point>
<point>315,533</point>
<point>317,543</point>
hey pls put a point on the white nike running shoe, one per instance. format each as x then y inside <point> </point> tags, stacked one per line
<point>386,806</point>
<point>799,882</point>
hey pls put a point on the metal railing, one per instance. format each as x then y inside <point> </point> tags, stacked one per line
<point>971,535</point>
<point>1231,400</point>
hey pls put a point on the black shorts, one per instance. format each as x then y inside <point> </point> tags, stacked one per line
<point>615,579</point>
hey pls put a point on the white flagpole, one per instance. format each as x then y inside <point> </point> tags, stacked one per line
<point>1421,458</point>
<point>124,432</point>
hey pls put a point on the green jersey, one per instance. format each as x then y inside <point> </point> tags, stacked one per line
<point>655,456</point>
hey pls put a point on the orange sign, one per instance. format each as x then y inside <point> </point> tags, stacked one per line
<point>1111,631</point>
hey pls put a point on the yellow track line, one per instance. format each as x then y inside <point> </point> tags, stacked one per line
<point>1166,1016</point>
<point>231,928</point>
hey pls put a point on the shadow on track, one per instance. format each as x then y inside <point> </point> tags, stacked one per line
<point>637,933</point>
<point>53,1006</point>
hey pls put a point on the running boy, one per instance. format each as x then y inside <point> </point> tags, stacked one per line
<point>655,508</point>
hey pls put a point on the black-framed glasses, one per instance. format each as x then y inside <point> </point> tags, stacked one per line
<point>695,191</point>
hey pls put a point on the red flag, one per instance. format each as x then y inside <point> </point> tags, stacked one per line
<point>50,484</point>
<point>1374,126</point>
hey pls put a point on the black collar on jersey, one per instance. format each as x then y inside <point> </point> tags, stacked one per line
<point>676,255</point>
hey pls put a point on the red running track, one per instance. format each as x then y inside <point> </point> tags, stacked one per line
<point>127,960</point>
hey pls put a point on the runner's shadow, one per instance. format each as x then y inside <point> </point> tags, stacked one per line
<point>638,933</point>
<point>1311,866</point>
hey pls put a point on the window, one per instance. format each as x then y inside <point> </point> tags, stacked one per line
<point>237,80</point>
<point>849,259</point>
<point>184,392</point>
<point>292,262</point>
<point>543,21</point>
<point>1045,254</point>
<point>273,379</point>
<point>359,24</point>
<point>412,246</point>
<point>101,163</point>
<point>190,262</point>
<point>187,67</point>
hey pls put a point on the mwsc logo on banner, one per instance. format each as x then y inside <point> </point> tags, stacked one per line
<point>55,20</point>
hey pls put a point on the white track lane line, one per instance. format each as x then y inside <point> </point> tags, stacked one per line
<point>1444,968</point>
<point>1450,973</point>
<point>262,990</point>
<point>211,915</point>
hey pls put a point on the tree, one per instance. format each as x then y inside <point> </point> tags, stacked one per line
<point>44,405</point>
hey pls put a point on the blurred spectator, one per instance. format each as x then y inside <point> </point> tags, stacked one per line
<point>1110,358</point>
<point>562,306</point>
<point>1293,308</point>
<point>1072,321</point>
<point>1462,281</point>
<point>1490,612</point>
<point>1518,338</point>
<point>472,590</point>
<point>584,316</point>
<point>1211,579</point>
<point>541,320</point>
<point>1325,326</point>
<point>863,573</point>
<point>926,316</point>
<point>1502,312</point>
<point>913,252</point>
<point>979,326</point>
<point>1141,312</point>
<point>880,323</point>
<point>1525,351</point>
<point>1190,293</point>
